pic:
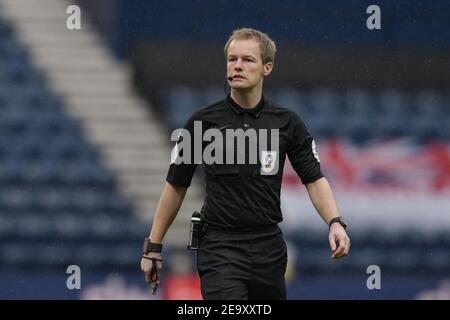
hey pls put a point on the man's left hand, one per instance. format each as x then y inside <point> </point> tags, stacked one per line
<point>339,241</point>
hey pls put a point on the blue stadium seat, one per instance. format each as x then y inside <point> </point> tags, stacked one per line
<point>14,200</point>
<point>180,103</point>
<point>292,99</point>
<point>210,95</point>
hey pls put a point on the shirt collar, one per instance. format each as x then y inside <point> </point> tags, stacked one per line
<point>255,112</point>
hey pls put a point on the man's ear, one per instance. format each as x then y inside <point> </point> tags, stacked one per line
<point>267,68</point>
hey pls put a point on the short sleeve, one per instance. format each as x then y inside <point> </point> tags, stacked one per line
<point>181,174</point>
<point>302,152</point>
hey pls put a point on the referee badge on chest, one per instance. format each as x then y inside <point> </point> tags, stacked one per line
<point>269,163</point>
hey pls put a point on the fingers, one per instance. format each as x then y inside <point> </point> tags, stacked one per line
<point>147,276</point>
<point>146,267</point>
<point>155,276</point>
<point>343,247</point>
<point>339,251</point>
<point>158,272</point>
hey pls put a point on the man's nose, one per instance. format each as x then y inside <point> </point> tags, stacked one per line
<point>238,65</point>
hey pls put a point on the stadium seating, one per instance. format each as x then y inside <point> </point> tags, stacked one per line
<point>58,203</point>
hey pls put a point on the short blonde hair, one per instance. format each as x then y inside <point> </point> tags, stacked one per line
<point>266,44</point>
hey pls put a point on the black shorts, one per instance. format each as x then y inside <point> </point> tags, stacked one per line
<point>242,265</point>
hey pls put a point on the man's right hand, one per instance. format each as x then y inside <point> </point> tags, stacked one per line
<point>146,267</point>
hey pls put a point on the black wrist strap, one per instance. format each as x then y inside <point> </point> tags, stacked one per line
<point>151,247</point>
<point>337,220</point>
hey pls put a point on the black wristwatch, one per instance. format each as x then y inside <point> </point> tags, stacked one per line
<point>339,220</point>
<point>151,247</point>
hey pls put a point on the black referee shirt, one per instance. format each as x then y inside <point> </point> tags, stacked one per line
<point>238,196</point>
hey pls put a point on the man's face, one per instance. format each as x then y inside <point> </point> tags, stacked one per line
<point>245,64</point>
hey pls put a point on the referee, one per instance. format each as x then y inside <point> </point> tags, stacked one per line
<point>242,254</point>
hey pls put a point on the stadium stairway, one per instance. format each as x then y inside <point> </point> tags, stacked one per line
<point>97,91</point>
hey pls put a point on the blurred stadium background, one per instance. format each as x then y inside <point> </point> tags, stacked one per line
<point>86,116</point>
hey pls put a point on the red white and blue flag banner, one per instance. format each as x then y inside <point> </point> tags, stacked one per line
<point>389,185</point>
